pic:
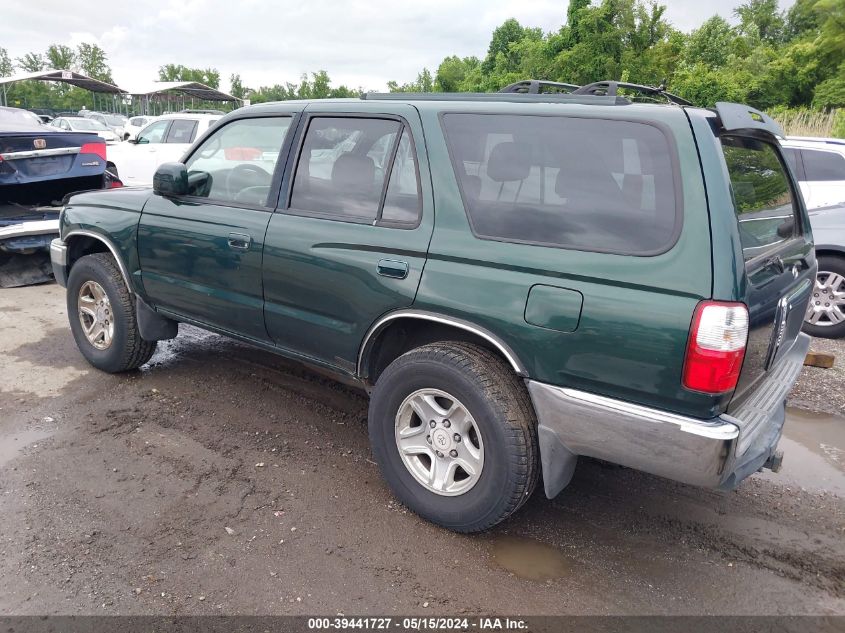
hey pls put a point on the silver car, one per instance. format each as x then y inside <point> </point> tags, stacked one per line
<point>826,312</point>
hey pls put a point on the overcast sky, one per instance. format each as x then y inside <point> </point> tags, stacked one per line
<point>359,42</point>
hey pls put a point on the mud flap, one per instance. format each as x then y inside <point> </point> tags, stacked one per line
<point>558,461</point>
<point>25,270</point>
<point>151,325</point>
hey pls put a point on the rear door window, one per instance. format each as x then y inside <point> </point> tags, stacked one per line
<point>823,166</point>
<point>181,131</point>
<point>763,198</point>
<point>582,184</point>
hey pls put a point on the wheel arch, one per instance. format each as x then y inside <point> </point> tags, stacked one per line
<point>398,332</point>
<point>81,242</point>
<point>830,251</point>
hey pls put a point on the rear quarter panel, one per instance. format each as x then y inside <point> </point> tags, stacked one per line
<point>631,337</point>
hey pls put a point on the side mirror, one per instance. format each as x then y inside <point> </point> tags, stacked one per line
<point>786,228</point>
<point>171,179</point>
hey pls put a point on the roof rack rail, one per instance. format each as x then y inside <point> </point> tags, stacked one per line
<point>611,88</point>
<point>534,86</point>
<point>514,97</point>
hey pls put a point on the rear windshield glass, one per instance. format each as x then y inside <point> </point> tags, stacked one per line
<point>762,195</point>
<point>584,184</point>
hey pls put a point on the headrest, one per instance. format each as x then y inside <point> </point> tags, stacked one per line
<point>509,161</point>
<point>354,173</point>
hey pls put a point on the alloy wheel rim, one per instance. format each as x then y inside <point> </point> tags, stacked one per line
<point>827,305</point>
<point>439,442</point>
<point>95,315</point>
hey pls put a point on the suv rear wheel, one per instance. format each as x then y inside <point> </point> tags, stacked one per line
<point>826,312</point>
<point>454,434</point>
<point>102,316</point>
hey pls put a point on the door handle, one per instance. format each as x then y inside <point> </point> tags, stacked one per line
<point>239,241</point>
<point>776,263</point>
<point>392,268</point>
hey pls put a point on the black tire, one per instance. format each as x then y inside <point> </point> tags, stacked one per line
<point>127,350</point>
<point>499,403</point>
<point>827,264</point>
<point>113,169</point>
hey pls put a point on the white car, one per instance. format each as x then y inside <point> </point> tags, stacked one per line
<point>136,124</point>
<point>115,122</point>
<point>819,166</point>
<point>81,124</point>
<point>162,141</point>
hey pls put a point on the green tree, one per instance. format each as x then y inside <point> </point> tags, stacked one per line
<point>92,60</point>
<point>31,62</point>
<point>6,67</point>
<point>60,57</point>
<point>761,18</point>
<point>510,32</point>
<point>423,83</point>
<point>710,44</point>
<point>237,87</point>
<point>177,72</point>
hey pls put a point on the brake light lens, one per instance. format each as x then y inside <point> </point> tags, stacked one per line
<point>94,148</point>
<point>716,347</point>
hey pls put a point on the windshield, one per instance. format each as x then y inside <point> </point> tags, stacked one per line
<point>113,119</point>
<point>15,116</point>
<point>86,124</point>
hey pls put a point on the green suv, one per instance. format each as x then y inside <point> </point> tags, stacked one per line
<point>515,279</point>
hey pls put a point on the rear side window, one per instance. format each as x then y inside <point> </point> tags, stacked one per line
<point>762,196</point>
<point>181,131</point>
<point>584,184</point>
<point>823,166</point>
<point>357,169</point>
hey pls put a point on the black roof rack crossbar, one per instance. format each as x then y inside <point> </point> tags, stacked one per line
<point>611,88</point>
<point>534,86</point>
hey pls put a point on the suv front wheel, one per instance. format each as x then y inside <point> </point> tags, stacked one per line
<point>102,316</point>
<point>454,434</point>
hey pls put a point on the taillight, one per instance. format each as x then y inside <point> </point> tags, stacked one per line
<point>94,148</point>
<point>115,184</point>
<point>716,346</point>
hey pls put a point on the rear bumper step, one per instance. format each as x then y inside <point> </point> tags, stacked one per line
<point>715,453</point>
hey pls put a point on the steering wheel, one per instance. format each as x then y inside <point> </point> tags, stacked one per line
<point>245,171</point>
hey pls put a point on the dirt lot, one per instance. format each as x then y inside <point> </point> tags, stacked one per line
<point>219,479</point>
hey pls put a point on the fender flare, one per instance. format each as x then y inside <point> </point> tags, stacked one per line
<point>112,249</point>
<point>366,346</point>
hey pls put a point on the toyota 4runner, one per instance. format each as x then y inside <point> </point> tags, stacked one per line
<point>515,279</point>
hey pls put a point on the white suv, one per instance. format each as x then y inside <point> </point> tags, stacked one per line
<point>819,166</point>
<point>164,140</point>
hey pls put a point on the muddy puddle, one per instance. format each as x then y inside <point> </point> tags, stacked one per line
<point>814,452</point>
<point>13,444</point>
<point>529,559</point>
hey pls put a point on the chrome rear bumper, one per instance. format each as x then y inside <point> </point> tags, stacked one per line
<point>715,453</point>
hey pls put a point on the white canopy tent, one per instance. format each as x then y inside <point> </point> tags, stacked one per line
<point>64,76</point>
<point>160,95</point>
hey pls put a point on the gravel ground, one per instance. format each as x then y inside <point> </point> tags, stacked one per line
<point>221,480</point>
<point>823,390</point>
